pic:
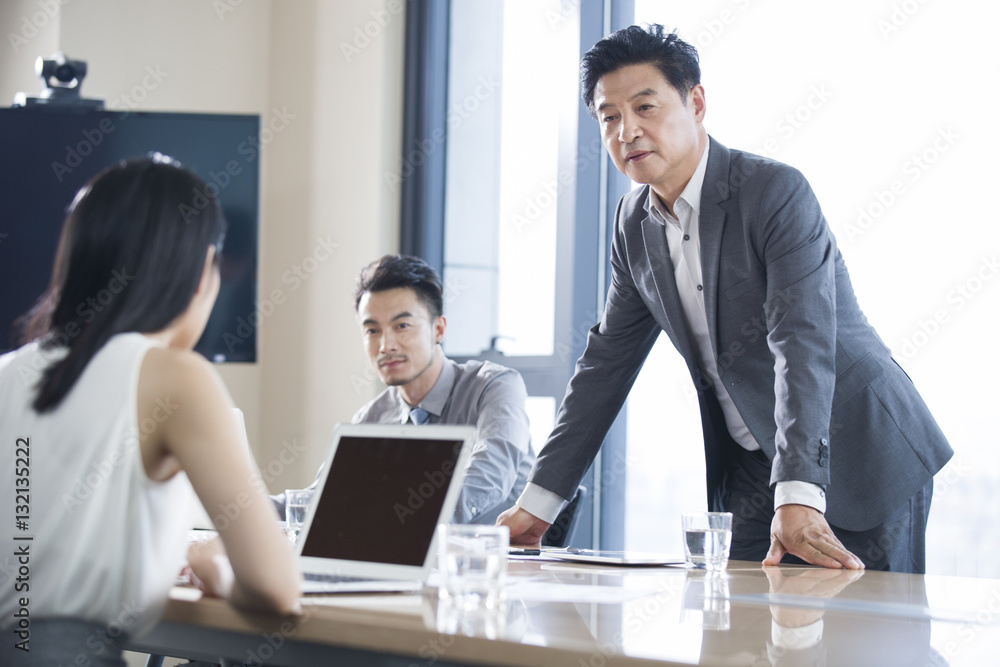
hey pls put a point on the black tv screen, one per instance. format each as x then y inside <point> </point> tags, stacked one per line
<point>48,153</point>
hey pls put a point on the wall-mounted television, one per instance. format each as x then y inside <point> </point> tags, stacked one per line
<point>48,153</point>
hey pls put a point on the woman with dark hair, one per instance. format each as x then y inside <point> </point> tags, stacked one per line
<point>108,419</point>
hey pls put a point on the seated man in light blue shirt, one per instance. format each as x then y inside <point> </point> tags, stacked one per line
<point>398,301</point>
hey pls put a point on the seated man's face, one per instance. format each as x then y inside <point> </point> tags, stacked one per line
<point>398,334</point>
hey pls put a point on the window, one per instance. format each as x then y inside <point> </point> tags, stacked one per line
<point>510,92</point>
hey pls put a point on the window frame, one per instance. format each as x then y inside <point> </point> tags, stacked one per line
<point>584,230</point>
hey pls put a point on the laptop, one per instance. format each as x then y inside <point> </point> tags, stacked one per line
<point>384,488</point>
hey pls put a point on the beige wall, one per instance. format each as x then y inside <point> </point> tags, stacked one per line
<point>337,123</point>
<point>27,31</point>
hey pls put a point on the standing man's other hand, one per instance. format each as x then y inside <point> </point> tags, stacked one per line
<point>526,529</point>
<point>803,531</point>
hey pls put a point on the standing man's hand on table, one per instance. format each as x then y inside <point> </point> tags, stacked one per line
<point>525,528</point>
<point>803,531</point>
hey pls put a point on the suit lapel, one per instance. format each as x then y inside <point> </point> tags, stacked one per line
<point>711,222</point>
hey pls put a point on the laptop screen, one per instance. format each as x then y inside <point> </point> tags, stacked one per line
<point>381,499</point>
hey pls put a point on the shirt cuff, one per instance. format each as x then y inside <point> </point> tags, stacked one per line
<point>800,493</point>
<point>797,638</point>
<point>540,502</point>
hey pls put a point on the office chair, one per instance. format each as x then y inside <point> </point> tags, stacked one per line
<point>561,531</point>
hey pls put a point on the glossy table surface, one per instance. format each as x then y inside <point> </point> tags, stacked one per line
<point>584,615</point>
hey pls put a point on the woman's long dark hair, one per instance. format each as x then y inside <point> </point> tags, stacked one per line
<point>130,258</point>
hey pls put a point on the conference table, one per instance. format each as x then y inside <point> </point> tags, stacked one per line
<point>580,615</point>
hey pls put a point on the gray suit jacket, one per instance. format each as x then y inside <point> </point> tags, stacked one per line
<point>816,386</point>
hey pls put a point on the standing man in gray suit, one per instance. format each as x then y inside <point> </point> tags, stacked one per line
<point>815,439</point>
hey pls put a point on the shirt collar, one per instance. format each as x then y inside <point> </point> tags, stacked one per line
<point>437,398</point>
<point>691,195</point>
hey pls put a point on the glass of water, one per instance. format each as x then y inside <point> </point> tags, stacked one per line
<point>707,536</point>
<point>473,564</point>
<point>296,506</point>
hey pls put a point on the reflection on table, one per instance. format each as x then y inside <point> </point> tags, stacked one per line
<point>579,615</point>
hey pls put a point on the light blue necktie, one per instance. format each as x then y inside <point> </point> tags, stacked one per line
<point>418,416</point>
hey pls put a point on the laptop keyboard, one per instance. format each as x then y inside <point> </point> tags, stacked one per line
<point>333,578</point>
<point>316,582</point>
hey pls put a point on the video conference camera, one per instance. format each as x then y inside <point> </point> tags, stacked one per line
<point>63,78</point>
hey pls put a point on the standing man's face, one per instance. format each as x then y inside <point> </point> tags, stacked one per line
<point>399,335</point>
<point>650,133</point>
